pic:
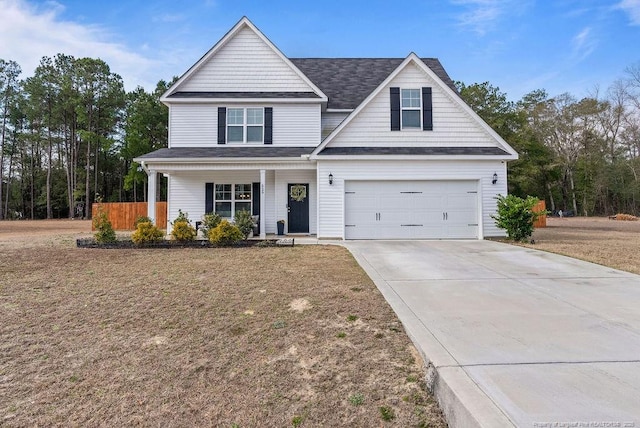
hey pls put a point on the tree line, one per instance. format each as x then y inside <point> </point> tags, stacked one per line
<point>581,156</point>
<point>69,133</point>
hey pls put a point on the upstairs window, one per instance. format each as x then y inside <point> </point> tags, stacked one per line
<point>410,104</point>
<point>411,108</point>
<point>245,125</point>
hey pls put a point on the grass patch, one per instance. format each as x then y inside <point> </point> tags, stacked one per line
<point>160,337</point>
<point>595,239</point>
<point>356,399</point>
<point>386,413</point>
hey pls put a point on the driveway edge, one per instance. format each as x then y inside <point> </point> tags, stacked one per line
<point>463,403</point>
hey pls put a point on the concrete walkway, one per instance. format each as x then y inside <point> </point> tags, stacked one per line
<point>513,336</point>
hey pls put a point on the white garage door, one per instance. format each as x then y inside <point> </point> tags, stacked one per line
<point>411,209</point>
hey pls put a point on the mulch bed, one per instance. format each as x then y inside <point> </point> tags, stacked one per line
<point>128,244</point>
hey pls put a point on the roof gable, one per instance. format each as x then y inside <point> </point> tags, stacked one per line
<point>244,60</point>
<point>348,81</point>
<point>376,123</point>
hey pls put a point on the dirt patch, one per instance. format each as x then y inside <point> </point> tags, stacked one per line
<point>299,305</point>
<point>198,337</point>
<point>599,240</point>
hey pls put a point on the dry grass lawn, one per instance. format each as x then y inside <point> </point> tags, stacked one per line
<point>599,240</point>
<point>197,337</point>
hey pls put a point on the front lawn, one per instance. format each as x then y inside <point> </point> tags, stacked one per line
<point>201,337</point>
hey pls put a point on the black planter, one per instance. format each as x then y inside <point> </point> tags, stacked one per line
<point>280,228</point>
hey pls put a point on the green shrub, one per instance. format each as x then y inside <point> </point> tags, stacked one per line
<point>182,217</point>
<point>141,219</point>
<point>105,233</point>
<point>516,217</point>
<point>182,229</point>
<point>225,234</point>
<point>244,222</point>
<point>146,232</point>
<point>209,222</point>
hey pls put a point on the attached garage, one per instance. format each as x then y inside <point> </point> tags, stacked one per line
<point>411,209</point>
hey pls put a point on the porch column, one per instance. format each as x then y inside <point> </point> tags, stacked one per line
<point>263,181</point>
<point>151,192</point>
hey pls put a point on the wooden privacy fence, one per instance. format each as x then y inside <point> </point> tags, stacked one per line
<point>542,220</point>
<point>122,215</point>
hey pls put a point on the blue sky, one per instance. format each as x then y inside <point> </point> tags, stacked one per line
<point>518,45</point>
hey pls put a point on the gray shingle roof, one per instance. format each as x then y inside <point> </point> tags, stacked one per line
<point>244,95</point>
<point>228,151</point>
<point>348,81</point>
<point>433,151</point>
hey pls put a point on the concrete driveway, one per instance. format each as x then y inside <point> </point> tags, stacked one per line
<point>515,337</point>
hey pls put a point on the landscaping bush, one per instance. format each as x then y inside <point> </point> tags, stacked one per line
<point>105,233</point>
<point>141,219</point>
<point>225,234</point>
<point>209,222</point>
<point>145,232</point>
<point>182,229</point>
<point>515,215</point>
<point>244,222</point>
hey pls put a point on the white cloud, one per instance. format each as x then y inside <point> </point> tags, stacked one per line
<point>30,32</point>
<point>481,16</point>
<point>583,44</point>
<point>632,7</point>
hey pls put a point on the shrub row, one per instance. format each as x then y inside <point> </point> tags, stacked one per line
<point>218,231</point>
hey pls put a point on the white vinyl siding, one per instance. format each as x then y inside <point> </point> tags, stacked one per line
<point>296,125</point>
<point>196,125</point>
<point>330,121</point>
<point>331,212</point>
<point>451,124</point>
<point>245,63</point>
<point>193,125</point>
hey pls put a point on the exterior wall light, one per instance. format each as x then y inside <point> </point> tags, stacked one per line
<point>330,179</point>
<point>495,178</point>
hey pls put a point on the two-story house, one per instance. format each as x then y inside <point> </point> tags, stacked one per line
<point>348,148</point>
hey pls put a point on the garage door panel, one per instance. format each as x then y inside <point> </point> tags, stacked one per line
<point>411,209</point>
<point>461,201</point>
<point>426,201</point>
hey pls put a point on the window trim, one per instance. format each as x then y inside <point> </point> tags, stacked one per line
<point>417,109</point>
<point>233,199</point>
<point>245,125</point>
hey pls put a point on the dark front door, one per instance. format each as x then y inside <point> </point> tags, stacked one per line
<point>298,208</point>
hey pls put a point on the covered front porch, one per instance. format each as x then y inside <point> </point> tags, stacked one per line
<point>272,193</point>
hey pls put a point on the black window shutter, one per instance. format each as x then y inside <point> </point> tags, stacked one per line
<point>222,125</point>
<point>208,198</point>
<point>427,110</point>
<point>395,108</point>
<point>268,125</point>
<point>255,198</point>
